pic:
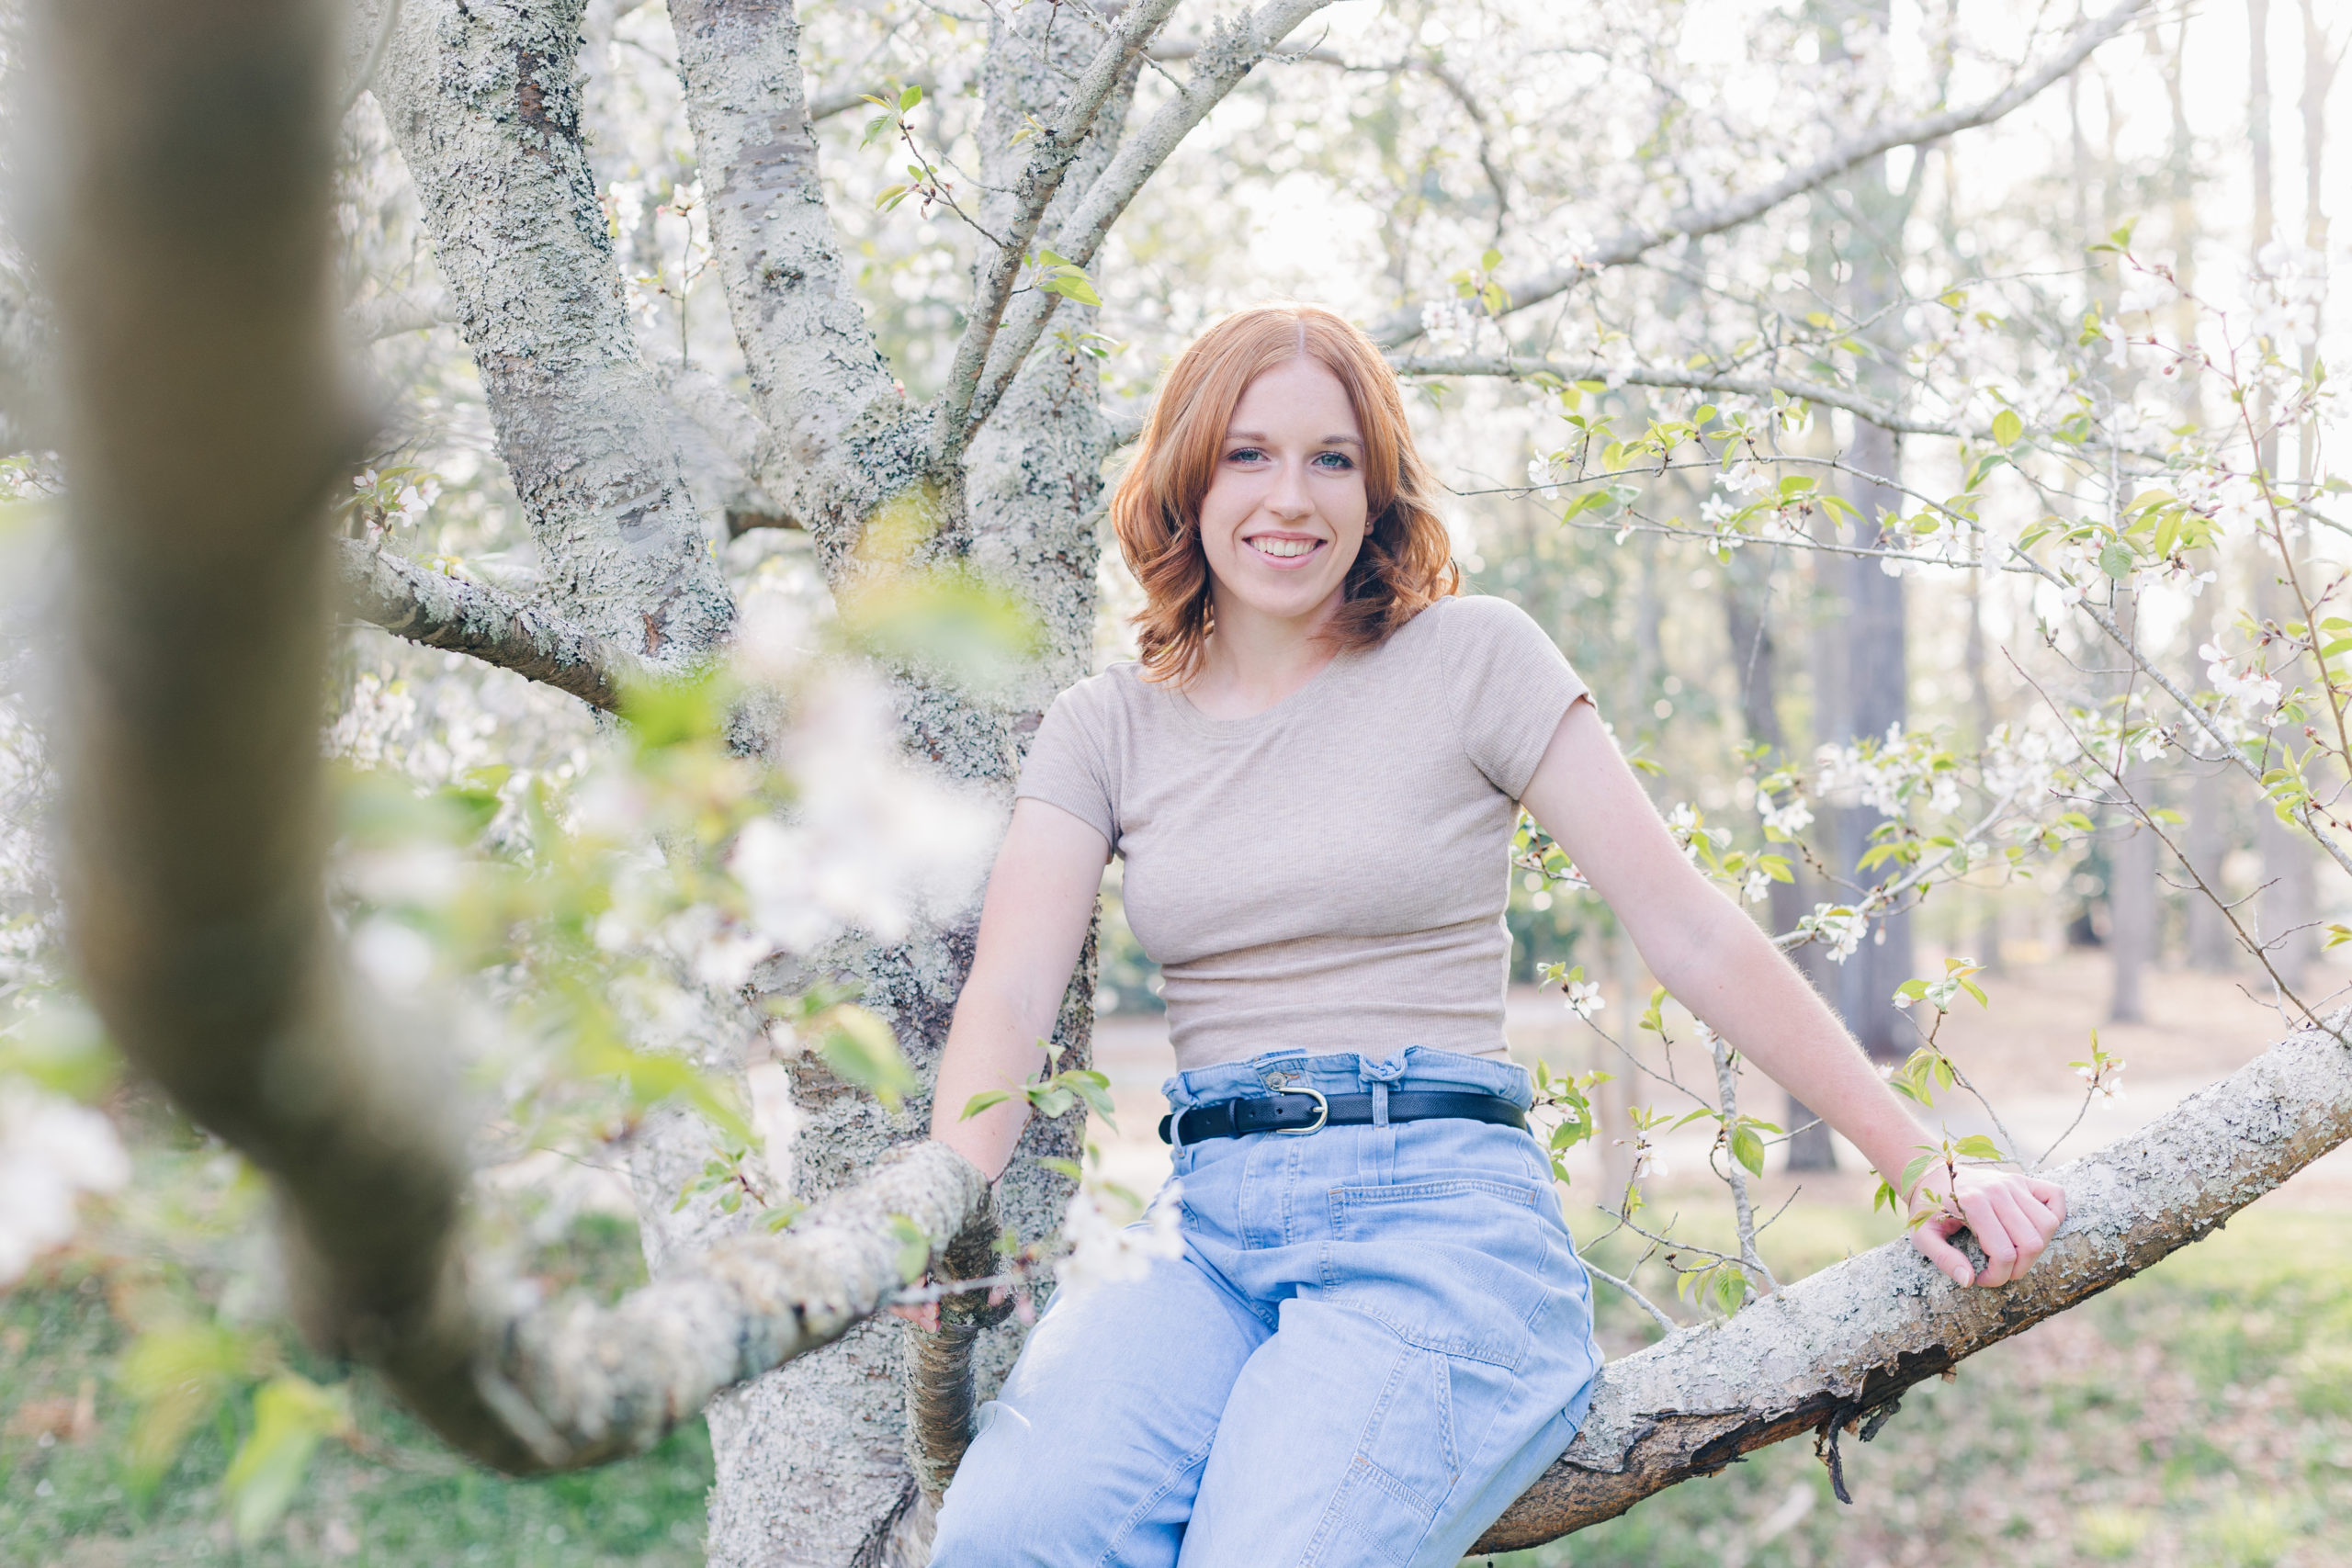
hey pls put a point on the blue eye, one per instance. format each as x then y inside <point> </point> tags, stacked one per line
<point>1243,454</point>
<point>1339,462</point>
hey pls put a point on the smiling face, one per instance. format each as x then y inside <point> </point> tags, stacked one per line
<point>1285,511</point>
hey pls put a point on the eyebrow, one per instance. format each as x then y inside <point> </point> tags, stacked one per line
<point>1326,441</point>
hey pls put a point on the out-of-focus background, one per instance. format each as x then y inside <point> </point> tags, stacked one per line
<point>2198,1415</point>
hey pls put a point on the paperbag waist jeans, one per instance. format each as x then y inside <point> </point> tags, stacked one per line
<point>1376,1338</point>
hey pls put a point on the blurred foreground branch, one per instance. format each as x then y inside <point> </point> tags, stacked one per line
<point>207,423</point>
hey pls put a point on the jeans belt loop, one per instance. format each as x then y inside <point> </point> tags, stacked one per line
<point>1379,1104</point>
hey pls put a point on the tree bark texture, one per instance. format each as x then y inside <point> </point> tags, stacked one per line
<point>439,611</point>
<point>483,101</point>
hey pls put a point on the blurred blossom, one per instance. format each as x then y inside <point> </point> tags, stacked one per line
<point>871,844</point>
<point>51,1151</point>
<point>395,956</point>
<point>1105,1249</point>
<point>1449,324</point>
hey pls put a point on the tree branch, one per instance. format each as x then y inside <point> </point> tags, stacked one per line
<point>1633,241</point>
<point>434,610</point>
<point>209,423</point>
<point>1228,55</point>
<point>389,315</point>
<point>1850,1338</point>
<point>1696,380</point>
<point>844,438</point>
<point>1041,179</point>
<point>484,102</point>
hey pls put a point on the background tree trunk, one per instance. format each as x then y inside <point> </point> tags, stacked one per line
<point>1748,622</point>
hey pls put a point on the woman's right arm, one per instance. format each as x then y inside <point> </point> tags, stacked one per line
<point>1040,901</point>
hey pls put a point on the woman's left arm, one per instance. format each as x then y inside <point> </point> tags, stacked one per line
<point>1714,961</point>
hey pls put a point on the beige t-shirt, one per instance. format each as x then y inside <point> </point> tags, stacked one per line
<point>1328,874</point>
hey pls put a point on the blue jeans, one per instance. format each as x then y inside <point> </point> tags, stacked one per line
<point>1375,1339</point>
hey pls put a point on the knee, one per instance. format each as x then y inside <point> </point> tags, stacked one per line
<point>1022,1498</point>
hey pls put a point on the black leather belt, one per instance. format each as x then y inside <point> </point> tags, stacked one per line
<point>1310,1111</point>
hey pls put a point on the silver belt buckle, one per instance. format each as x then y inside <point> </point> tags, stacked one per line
<point>1322,1112</point>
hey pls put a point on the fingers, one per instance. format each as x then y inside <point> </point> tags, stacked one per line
<point>2023,1215</point>
<point>922,1315</point>
<point>1932,1237</point>
<point>1985,1223</point>
<point>2052,1197</point>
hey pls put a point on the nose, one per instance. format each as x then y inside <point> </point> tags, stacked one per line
<point>1287,497</point>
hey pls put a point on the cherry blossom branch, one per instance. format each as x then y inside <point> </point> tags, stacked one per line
<point>1635,241</point>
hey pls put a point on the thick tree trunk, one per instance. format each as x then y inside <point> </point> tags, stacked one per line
<point>812,1463</point>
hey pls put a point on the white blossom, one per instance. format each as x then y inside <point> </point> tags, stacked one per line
<point>1449,324</point>
<point>2244,682</point>
<point>1585,998</point>
<point>51,1152</point>
<point>1108,1246</point>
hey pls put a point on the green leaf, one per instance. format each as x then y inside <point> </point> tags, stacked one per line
<point>914,1248</point>
<point>290,1415</point>
<point>2007,428</point>
<point>63,1048</point>
<point>1073,286</point>
<point>1748,1149</point>
<point>1976,1146</point>
<point>861,1050</point>
<point>2117,561</point>
<point>177,1377</point>
<point>983,1102</point>
<point>910,98</point>
<point>665,713</point>
<point>1490,260</point>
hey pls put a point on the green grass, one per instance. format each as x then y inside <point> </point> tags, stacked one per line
<point>2200,1414</point>
<point>396,1497</point>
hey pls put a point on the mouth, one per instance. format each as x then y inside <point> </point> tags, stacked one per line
<point>1285,552</point>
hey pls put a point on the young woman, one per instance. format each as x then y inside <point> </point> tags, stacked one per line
<point>1379,1333</point>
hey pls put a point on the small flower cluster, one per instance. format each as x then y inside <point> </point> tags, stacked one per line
<point>1450,325</point>
<point>1889,776</point>
<point>2243,681</point>
<point>1114,1238</point>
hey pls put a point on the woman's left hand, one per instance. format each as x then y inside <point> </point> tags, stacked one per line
<point>2012,1215</point>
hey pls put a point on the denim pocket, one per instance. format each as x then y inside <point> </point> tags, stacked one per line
<point>1461,1266</point>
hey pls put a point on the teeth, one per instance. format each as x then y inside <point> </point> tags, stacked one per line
<point>1283,549</point>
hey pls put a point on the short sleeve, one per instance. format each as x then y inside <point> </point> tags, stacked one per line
<point>1509,684</point>
<point>1068,765</point>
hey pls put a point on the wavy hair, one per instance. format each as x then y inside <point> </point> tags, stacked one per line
<point>1405,563</point>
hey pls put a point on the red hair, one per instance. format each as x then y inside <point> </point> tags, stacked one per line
<point>1405,563</point>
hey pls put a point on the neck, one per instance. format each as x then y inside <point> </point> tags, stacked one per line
<point>1253,661</point>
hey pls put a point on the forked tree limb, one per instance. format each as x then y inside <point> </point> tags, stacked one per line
<point>209,420</point>
<point>436,610</point>
<point>1232,51</point>
<point>1635,241</point>
<point>1054,149</point>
